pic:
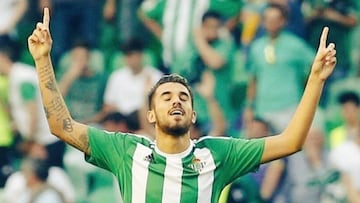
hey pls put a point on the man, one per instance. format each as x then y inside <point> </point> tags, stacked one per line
<point>279,60</point>
<point>37,182</point>
<point>82,81</point>
<point>174,32</point>
<point>211,49</point>
<point>350,108</point>
<point>26,107</point>
<point>119,95</point>
<point>174,169</point>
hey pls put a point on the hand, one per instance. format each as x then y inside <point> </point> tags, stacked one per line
<point>325,59</point>
<point>206,87</point>
<point>198,33</point>
<point>40,40</point>
<point>109,11</point>
<point>331,14</point>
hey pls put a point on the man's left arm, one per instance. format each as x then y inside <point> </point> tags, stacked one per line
<point>292,138</point>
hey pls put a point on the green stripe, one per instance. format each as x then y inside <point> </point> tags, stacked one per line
<point>155,181</point>
<point>125,174</point>
<point>190,184</point>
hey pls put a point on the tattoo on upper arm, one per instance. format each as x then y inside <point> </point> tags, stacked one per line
<point>67,125</point>
<point>80,143</point>
<point>85,140</point>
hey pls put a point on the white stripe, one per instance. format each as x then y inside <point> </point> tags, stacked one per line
<point>201,7</point>
<point>172,180</point>
<point>183,27</point>
<point>206,175</point>
<point>140,173</point>
<point>167,21</point>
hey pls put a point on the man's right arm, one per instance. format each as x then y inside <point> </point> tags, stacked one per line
<point>59,119</point>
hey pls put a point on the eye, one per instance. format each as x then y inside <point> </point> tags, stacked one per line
<point>167,98</point>
<point>184,97</point>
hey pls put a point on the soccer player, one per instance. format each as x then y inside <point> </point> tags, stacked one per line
<point>174,168</point>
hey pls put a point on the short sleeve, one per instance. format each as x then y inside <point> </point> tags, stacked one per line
<point>243,156</point>
<point>107,148</point>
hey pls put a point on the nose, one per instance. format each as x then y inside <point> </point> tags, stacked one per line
<point>176,102</point>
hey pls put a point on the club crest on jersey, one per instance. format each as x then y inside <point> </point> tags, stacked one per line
<point>197,165</point>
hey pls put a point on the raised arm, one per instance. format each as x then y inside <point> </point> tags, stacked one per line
<point>217,118</point>
<point>59,119</point>
<point>292,138</point>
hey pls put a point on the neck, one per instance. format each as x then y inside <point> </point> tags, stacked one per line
<point>136,70</point>
<point>172,144</point>
<point>36,185</point>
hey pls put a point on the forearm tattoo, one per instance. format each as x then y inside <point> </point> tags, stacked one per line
<point>67,125</point>
<point>45,73</point>
<point>55,109</point>
<point>51,85</point>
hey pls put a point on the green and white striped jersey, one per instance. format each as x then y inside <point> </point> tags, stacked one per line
<point>145,174</point>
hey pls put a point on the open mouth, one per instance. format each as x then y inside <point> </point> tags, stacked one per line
<point>177,112</point>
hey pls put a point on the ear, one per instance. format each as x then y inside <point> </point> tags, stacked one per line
<point>150,116</point>
<point>193,117</point>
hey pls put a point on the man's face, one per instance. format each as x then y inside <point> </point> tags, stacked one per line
<point>134,60</point>
<point>211,28</point>
<point>350,111</point>
<point>273,21</point>
<point>172,110</point>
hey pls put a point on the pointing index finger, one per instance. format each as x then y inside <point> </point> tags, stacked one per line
<point>323,38</point>
<point>46,18</point>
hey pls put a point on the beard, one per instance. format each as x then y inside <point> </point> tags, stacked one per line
<point>176,131</point>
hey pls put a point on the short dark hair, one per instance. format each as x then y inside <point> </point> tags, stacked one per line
<point>132,45</point>
<point>81,43</point>
<point>10,48</point>
<point>349,96</point>
<point>170,78</point>
<point>283,9</point>
<point>211,14</point>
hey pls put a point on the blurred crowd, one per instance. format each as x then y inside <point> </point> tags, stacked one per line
<point>246,60</point>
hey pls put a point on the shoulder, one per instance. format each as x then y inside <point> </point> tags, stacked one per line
<point>154,72</point>
<point>287,37</point>
<point>218,142</point>
<point>100,134</point>
<point>23,70</point>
